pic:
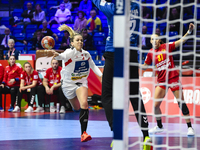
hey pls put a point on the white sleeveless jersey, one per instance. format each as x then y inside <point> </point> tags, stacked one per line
<point>77,65</point>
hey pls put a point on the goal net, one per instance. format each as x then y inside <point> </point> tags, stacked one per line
<point>133,27</point>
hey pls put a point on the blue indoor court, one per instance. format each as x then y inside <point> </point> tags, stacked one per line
<point>54,131</point>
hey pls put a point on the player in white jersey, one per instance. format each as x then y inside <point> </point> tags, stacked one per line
<point>77,64</point>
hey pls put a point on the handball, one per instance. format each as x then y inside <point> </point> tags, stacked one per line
<point>47,42</point>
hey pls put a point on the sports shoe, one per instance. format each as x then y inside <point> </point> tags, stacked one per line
<point>156,129</point>
<point>1,109</point>
<point>62,109</point>
<point>29,109</point>
<point>17,109</point>
<point>39,109</point>
<point>147,144</point>
<point>190,131</point>
<point>111,145</point>
<point>52,109</point>
<point>85,137</point>
<point>10,109</point>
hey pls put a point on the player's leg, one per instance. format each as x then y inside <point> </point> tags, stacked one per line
<point>182,105</point>
<point>137,103</point>
<point>41,98</point>
<point>159,94</point>
<point>13,92</point>
<point>82,95</point>
<point>107,82</point>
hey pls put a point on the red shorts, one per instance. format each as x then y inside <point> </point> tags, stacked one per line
<point>174,84</point>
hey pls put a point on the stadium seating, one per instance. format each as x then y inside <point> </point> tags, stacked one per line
<point>17,12</point>
<point>60,36</point>
<point>29,36</point>
<point>4,21</point>
<point>93,53</point>
<point>31,28</point>
<point>42,4</point>
<point>20,36</point>
<point>18,29</point>
<point>99,62</point>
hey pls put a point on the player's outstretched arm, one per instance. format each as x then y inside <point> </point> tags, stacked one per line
<point>106,7</point>
<point>144,66</point>
<point>183,39</point>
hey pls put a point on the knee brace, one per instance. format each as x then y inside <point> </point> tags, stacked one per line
<point>184,108</point>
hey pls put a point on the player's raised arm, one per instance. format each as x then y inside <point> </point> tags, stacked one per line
<point>104,6</point>
<point>183,40</point>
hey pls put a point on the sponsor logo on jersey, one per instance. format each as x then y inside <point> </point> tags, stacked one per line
<point>35,77</point>
<point>78,78</point>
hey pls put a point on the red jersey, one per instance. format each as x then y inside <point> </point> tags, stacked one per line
<point>53,78</point>
<point>1,73</point>
<point>162,61</point>
<point>29,79</point>
<point>12,72</point>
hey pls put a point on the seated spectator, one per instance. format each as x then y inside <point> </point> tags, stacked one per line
<point>85,6</point>
<point>65,41</point>
<point>12,51</point>
<point>88,43</point>
<point>146,12</point>
<point>67,3</point>
<point>146,45</point>
<point>51,85</point>
<point>38,15</point>
<point>47,32</point>
<point>80,22</point>
<point>174,15</point>
<point>11,82</point>
<point>37,41</point>
<point>158,31</point>
<point>27,15</point>
<point>62,15</point>
<point>28,85</point>
<point>5,37</point>
<point>161,13</point>
<point>94,22</point>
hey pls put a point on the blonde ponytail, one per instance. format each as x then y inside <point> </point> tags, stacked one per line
<point>72,33</point>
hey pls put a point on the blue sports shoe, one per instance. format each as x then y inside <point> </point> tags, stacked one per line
<point>1,109</point>
<point>11,109</point>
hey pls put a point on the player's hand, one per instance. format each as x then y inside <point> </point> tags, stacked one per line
<point>12,81</point>
<point>47,90</point>
<point>22,88</point>
<point>191,27</point>
<point>2,85</point>
<point>51,90</point>
<point>55,54</point>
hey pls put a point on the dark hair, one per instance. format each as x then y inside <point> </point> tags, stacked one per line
<point>84,29</point>
<point>82,12</point>
<point>36,12</point>
<point>161,42</point>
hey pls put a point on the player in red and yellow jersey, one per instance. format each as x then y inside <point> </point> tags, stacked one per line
<point>160,55</point>
<point>29,81</point>
<point>10,82</point>
<point>51,85</point>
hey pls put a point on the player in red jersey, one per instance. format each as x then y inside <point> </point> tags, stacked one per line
<point>51,85</point>
<point>10,82</point>
<point>163,60</point>
<point>29,81</point>
<point>1,73</point>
